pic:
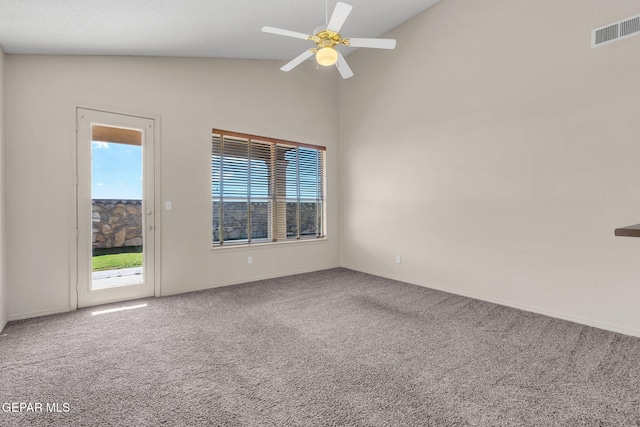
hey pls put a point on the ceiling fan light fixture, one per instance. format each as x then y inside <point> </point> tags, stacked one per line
<point>327,56</point>
<point>326,38</point>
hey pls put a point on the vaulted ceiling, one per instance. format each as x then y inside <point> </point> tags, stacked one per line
<point>195,28</point>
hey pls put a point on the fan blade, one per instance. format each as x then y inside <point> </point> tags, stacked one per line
<point>297,60</point>
<point>287,33</point>
<point>374,43</point>
<point>340,14</point>
<point>343,67</point>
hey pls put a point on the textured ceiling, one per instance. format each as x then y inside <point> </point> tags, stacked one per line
<point>196,28</point>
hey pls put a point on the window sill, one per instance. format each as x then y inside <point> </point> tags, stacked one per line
<point>265,245</point>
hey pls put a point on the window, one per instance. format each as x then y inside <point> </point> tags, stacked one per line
<point>266,190</point>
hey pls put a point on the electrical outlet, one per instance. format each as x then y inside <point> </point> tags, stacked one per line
<point>250,260</point>
<point>397,259</point>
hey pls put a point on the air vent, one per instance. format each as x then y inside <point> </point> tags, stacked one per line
<point>616,31</point>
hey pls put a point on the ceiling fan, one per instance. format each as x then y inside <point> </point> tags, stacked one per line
<point>326,38</point>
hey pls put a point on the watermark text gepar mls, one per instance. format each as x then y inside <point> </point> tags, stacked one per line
<point>36,407</point>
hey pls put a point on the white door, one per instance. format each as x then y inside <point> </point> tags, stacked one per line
<point>115,207</point>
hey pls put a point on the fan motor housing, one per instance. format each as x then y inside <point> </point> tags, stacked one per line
<point>328,38</point>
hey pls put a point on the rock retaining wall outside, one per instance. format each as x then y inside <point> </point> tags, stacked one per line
<point>235,220</point>
<point>116,223</point>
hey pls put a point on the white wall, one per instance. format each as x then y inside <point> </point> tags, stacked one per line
<point>3,284</point>
<point>496,152</point>
<point>191,96</point>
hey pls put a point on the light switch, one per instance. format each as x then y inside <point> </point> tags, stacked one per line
<point>168,205</point>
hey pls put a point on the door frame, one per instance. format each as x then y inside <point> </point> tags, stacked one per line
<point>74,265</point>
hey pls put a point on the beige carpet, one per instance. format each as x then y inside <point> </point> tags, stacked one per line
<point>331,348</point>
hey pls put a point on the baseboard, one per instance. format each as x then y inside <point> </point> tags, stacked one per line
<point>531,309</point>
<point>245,280</point>
<point>3,324</point>
<point>23,316</point>
<point>549,313</point>
<point>562,316</point>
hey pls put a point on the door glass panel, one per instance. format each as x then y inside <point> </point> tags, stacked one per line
<point>116,207</point>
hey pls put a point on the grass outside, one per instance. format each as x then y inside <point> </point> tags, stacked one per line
<point>116,261</point>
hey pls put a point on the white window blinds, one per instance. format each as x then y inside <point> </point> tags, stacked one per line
<point>266,190</point>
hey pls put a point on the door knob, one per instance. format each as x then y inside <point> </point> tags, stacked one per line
<point>149,227</point>
<point>149,212</point>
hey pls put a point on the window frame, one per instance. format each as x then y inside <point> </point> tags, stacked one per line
<point>278,197</point>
